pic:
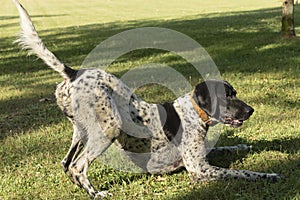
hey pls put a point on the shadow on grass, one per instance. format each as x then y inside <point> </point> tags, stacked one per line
<point>287,188</point>
<point>272,162</point>
<point>28,114</point>
<point>232,188</point>
<point>241,189</point>
<point>108,178</point>
<point>238,41</point>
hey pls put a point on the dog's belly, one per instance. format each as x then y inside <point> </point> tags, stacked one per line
<point>153,155</point>
<point>133,144</point>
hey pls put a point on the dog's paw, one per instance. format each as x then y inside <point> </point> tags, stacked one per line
<point>244,147</point>
<point>273,178</point>
<point>102,194</point>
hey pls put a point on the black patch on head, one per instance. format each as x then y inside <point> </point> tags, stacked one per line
<point>218,99</point>
<point>211,94</point>
<point>171,122</point>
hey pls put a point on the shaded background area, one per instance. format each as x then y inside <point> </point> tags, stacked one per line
<point>246,46</point>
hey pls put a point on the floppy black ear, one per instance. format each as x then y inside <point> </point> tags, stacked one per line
<point>203,97</point>
<point>208,95</point>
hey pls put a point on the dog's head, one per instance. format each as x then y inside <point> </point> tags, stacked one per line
<point>218,99</point>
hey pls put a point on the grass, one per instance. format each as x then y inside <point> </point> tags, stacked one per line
<point>241,37</point>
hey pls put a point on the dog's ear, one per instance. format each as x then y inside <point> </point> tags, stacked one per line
<point>203,97</point>
<point>230,91</point>
<point>209,94</point>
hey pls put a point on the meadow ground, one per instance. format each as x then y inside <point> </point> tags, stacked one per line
<point>242,38</point>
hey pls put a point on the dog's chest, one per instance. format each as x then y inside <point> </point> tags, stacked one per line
<point>190,121</point>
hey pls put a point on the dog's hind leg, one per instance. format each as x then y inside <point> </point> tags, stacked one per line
<point>97,123</point>
<point>78,168</point>
<point>73,152</point>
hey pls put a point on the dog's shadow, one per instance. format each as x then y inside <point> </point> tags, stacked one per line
<point>221,159</point>
<point>226,158</point>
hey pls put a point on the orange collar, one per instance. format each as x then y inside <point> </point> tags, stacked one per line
<point>202,114</point>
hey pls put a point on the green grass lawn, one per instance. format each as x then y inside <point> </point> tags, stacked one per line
<point>242,38</point>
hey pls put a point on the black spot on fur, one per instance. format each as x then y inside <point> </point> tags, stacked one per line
<point>78,181</point>
<point>139,118</point>
<point>90,77</point>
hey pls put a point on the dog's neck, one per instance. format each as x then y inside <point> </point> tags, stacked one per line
<point>202,114</point>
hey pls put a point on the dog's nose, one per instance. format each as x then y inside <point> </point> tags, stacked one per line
<point>250,110</point>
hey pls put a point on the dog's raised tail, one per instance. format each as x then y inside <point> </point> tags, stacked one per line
<point>30,40</point>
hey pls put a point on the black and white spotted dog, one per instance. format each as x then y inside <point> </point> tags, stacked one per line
<point>103,110</point>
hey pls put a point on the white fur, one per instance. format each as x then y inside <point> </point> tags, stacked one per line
<point>30,40</point>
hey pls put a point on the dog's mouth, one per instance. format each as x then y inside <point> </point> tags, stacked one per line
<point>233,122</point>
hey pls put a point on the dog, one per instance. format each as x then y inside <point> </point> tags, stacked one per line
<point>103,110</point>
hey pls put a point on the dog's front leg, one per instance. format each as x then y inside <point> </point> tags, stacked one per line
<point>194,159</point>
<point>229,149</point>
